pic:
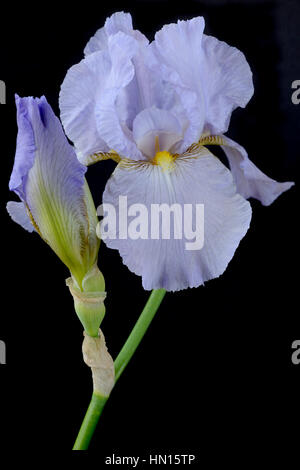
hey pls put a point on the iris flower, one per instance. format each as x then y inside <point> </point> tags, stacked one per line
<point>153,108</point>
<point>50,182</point>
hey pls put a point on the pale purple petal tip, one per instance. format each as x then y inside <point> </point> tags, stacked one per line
<point>18,213</point>
<point>41,138</point>
<point>250,180</point>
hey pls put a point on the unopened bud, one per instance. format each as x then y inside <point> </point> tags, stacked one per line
<point>89,302</point>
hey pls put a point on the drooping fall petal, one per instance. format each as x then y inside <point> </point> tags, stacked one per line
<point>195,178</point>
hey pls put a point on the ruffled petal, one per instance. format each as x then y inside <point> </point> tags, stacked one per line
<point>138,94</point>
<point>193,179</point>
<point>226,80</point>
<point>179,45</point>
<point>101,96</point>
<point>119,21</point>
<point>88,100</point>
<point>18,213</point>
<point>250,181</point>
<point>178,50</point>
<point>153,123</point>
<point>79,94</point>
<point>218,74</point>
<point>143,91</point>
<point>97,43</point>
<point>111,127</point>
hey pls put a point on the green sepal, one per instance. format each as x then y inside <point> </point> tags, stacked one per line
<point>89,301</point>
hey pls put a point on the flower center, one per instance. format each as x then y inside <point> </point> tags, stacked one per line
<point>164,159</point>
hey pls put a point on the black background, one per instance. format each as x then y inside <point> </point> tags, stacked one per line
<point>214,373</point>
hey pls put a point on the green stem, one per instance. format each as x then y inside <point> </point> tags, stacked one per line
<point>98,402</point>
<point>138,331</point>
<point>90,422</point>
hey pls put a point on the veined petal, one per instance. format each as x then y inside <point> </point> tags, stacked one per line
<point>178,49</point>
<point>226,80</point>
<point>143,90</point>
<point>119,21</point>
<point>218,73</point>
<point>25,151</point>
<point>250,181</point>
<point>79,94</point>
<point>179,46</point>
<point>148,88</point>
<point>96,43</point>
<point>18,213</point>
<point>138,93</point>
<point>110,127</point>
<point>196,178</point>
<point>53,188</point>
<point>101,96</point>
<point>88,100</point>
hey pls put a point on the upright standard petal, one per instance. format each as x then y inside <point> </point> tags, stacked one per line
<point>158,254</point>
<point>110,124</point>
<point>250,180</point>
<point>50,181</point>
<point>178,50</point>
<point>88,100</point>
<point>79,94</point>
<point>96,100</point>
<point>179,47</point>
<point>218,73</point>
<point>226,80</point>
<point>119,79</point>
<point>119,21</point>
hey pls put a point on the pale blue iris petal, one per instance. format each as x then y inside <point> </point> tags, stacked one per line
<point>179,46</point>
<point>250,181</point>
<point>81,90</point>
<point>226,80</point>
<point>111,128</point>
<point>99,102</point>
<point>152,123</point>
<point>88,100</point>
<point>131,99</point>
<point>25,151</point>
<point>18,213</point>
<point>178,49</point>
<point>119,21</point>
<point>55,184</point>
<point>54,187</point>
<point>122,22</point>
<point>148,89</point>
<point>202,180</point>
<point>97,43</point>
<point>141,92</point>
<point>218,73</point>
